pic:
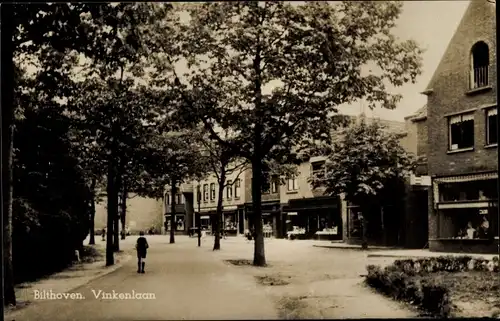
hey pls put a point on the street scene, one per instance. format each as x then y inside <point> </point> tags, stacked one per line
<point>250,160</point>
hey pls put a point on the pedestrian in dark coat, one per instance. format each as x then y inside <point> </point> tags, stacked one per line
<point>142,248</point>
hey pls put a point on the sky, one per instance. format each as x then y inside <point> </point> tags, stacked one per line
<point>432,24</point>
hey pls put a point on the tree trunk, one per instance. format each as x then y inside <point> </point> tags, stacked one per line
<point>259,257</point>
<point>218,215</point>
<point>92,213</point>
<point>172,213</point>
<point>124,211</point>
<point>9,295</point>
<point>112,198</point>
<point>116,221</point>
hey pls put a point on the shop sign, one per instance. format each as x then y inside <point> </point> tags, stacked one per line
<point>420,180</point>
<point>292,213</point>
<point>483,211</point>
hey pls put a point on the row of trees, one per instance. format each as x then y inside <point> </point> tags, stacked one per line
<point>132,82</point>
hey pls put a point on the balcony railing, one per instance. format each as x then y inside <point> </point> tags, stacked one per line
<point>479,77</point>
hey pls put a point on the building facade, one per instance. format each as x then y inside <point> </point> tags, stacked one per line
<point>184,213</point>
<point>462,140</point>
<point>233,202</point>
<point>415,231</point>
<point>305,211</point>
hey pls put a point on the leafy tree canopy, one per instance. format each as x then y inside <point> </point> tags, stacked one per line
<point>366,163</point>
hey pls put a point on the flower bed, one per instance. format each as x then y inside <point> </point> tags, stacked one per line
<point>420,281</point>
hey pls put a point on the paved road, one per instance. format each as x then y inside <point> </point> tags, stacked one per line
<point>187,282</point>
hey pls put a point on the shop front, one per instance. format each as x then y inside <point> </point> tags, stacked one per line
<point>313,218</point>
<point>465,216</point>
<point>270,218</point>
<point>179,225</point>
<point>230,221</point>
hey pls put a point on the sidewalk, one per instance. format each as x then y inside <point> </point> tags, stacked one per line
<point>68,279</point>
<point>342,245</point>
<point>424,253</point>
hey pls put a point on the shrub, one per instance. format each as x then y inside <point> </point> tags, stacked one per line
<point>436,299</point>
<point>393,282</point>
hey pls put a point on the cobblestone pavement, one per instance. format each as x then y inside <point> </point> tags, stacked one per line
<point>188,282</point>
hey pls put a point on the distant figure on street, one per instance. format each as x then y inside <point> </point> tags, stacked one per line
<point>103,234</point>
<point>142,247</point>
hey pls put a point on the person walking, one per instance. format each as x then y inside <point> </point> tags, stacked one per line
<point>103,232</point>
<point>141,246</point>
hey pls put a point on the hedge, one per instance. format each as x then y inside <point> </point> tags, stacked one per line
<point>446,263</point>
<point>428,295</point>
<point>398,281</point>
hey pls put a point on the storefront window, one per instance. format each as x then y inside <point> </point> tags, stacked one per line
<point>468,223</point>
<point>206,222</point>
<point>179,222</point>
<point>267,223</point>
<point>296,222</point>
<point>468,191</point>
<point>230,222</point>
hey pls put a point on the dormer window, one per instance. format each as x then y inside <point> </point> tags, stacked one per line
<point>480,63</point>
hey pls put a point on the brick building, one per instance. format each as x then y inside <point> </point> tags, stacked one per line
<point>462,138</point>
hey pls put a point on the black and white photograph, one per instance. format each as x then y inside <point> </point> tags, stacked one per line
<point>249,160</point>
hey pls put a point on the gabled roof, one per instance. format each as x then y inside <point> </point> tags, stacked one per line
<point>469,14</point>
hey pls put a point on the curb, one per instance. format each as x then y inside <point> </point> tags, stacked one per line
<point>107,270</point>
<point>393,256</point>
<point>351,247</point>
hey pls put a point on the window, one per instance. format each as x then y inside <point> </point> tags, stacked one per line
<point>491,126</point>
<point>199,193</point>
<point>468,191</point>
<point>178,199</point>
<point>212,191</point>
<point>461,131</point>
<point>205,192</point>
<point>468,223</point>
<point>167,198</point>
<point>292,183</point>
<point>480,61</point>
<point>229,190</point>
<point>318,169</point>
<point>274,185</point>
<point>237,188</point>
<point>179,222</point>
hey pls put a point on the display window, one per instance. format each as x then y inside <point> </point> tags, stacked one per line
<point>468,223</point>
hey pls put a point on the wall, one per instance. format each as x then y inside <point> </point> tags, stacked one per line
<point>450,84</point>
<point>212,204</point>
<point>142,212</point>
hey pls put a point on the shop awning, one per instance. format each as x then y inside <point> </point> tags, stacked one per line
<point>205,217</point>
<point>466,178</point>
<point>480,204</point>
